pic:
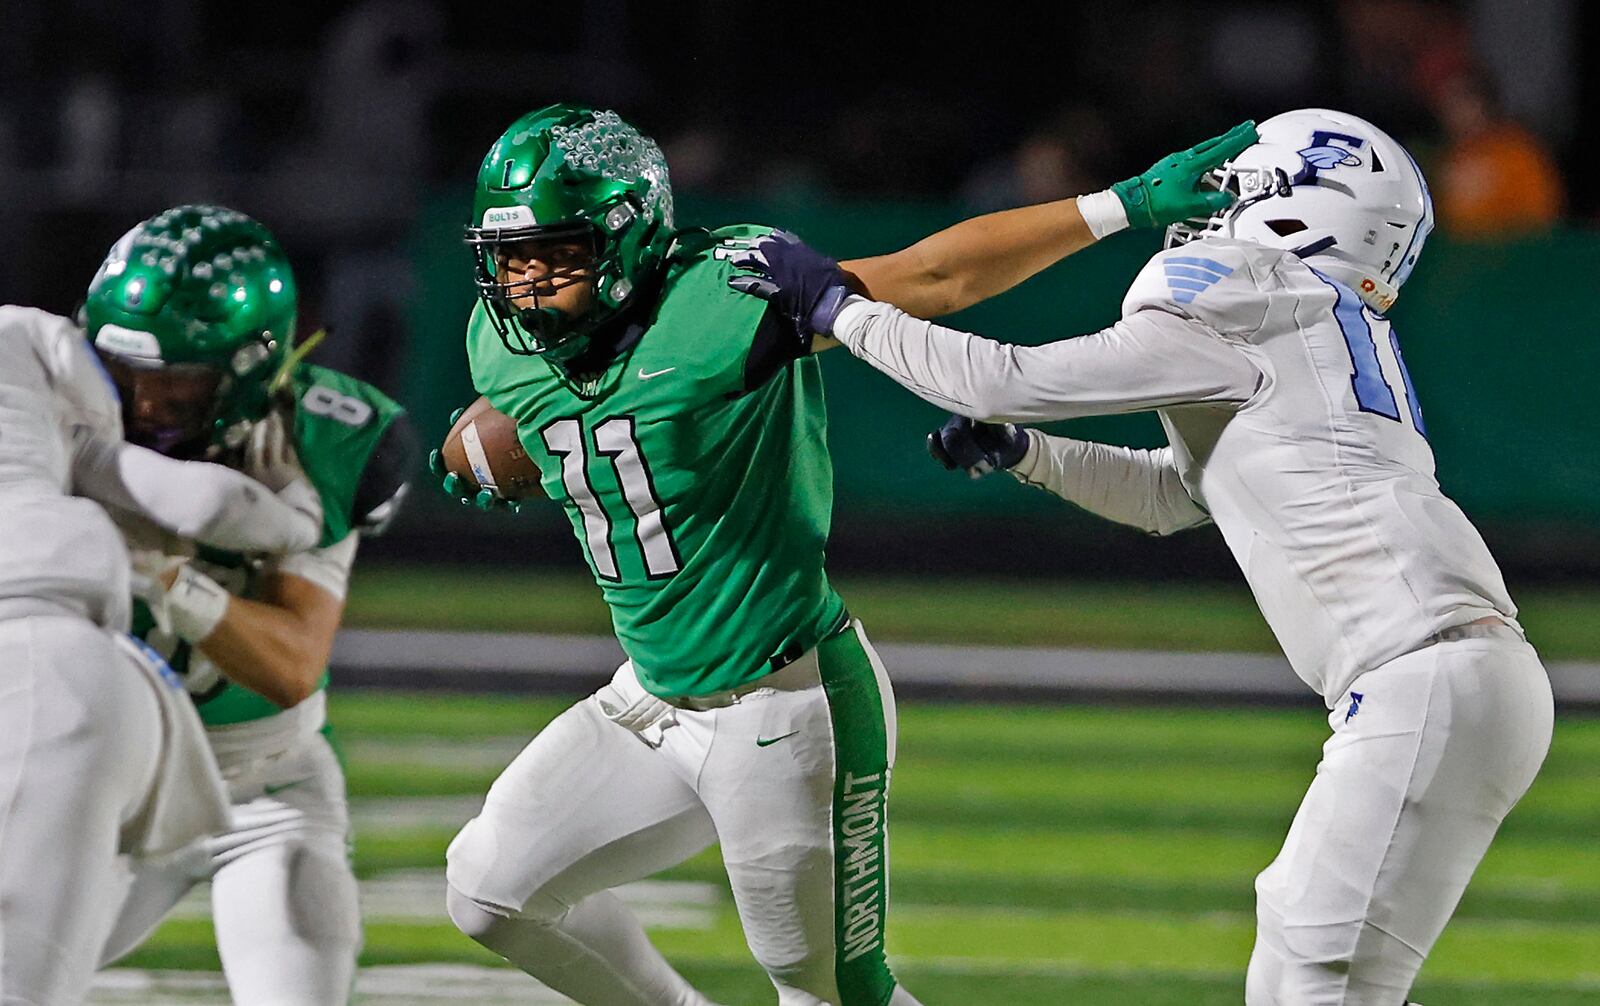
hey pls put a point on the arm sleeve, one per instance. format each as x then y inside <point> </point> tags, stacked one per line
<point>386,478</point>
<point>1136,487</point>
<point>1147,361</point>
<point>208,503</point>
<point>328,568</point>
<point>774,347</point>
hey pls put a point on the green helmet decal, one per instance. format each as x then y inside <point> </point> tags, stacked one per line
<point>193,312</point>
<point>582,180</point>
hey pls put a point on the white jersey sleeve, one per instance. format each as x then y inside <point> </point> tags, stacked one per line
<point>209,503</point>
<point>1135,487</point>
<point>1144,362</point>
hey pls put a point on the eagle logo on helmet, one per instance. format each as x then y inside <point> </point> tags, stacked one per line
<point>1329,156</point>
<point>1323,154</point>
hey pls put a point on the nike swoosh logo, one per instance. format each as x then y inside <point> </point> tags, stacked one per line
<point>655,373</point>
<point>762,742</point>
<point>270,790</point>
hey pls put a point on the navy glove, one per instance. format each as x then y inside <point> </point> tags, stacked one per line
<point>979,448</point>
<point>807,287</point>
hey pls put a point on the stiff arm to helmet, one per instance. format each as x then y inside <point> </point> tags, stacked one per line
<point>984,256</point>
<point>1333,189</point>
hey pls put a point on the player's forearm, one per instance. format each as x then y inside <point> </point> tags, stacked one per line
<point>975,259</point>
<point>958,371</point>
<point>207,503</point>
<point>1140,488</point>
<point>270,650</point>
<point>1147,361</point>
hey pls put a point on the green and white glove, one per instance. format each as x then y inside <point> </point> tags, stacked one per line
<point>454,485</point>
<point>1170,191</point>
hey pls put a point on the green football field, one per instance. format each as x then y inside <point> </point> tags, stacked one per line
<point>1563,622</point>
<point>1041,855</point>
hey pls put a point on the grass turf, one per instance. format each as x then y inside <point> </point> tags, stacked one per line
<point>1041,855</point>
<point>1563,622</point>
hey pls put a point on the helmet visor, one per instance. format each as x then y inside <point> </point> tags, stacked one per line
<point>170,409</point>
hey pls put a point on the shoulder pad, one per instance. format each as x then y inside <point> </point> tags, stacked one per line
<point>714,247</point>
<point>1221,284</point>
<point>710,327</point>
<point>83,390</point>
<point>342,432</point>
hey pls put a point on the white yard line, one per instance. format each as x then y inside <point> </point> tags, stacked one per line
<point>418,896</point>
<point>487,660</point>
<point>391,985</point>
<point>375,815</point>
<point>479,754</point>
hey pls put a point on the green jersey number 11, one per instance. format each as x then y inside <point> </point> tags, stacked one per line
<point>613,438</point>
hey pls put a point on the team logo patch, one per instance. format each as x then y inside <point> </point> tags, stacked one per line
<point>1329,150</point>
<point>1355,705</point>
<point>509,216</point>
<point>1329,156</point>
<point>1189,276</point>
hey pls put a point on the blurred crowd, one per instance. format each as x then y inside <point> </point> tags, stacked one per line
<point>337,123</point>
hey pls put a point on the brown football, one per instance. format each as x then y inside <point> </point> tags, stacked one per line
<point>482,448</point>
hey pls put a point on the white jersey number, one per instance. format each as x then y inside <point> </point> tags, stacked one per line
<point>614,438</point>
<point>320,400</point>
<point>1373,391</point>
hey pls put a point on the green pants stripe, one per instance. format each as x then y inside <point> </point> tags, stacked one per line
<point>860,820</point>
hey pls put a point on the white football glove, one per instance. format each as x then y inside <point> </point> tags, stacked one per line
<point>269,458</point>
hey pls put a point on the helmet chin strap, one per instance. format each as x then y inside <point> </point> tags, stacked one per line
<point>1373,291</point>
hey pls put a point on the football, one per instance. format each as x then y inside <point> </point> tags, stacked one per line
<point>483,450</point>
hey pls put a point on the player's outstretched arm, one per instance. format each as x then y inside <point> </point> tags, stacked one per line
<point>1139,488</point>
<point>208,503</point>
<point>987,255</point>
<point>1148,361</point>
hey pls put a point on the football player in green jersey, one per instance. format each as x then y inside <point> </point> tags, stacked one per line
<point>681,427</point>
<point>193,313</point>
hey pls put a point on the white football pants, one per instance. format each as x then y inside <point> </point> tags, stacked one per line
<point>283,896</point>
<point>80,747</point>
<point>1429,753</point>
<point>791,778</point>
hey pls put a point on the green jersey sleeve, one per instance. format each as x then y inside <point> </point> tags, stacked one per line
<point>356,447</point>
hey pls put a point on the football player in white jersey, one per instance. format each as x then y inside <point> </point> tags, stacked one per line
<point>1260,338</point>
<point>102,758</point>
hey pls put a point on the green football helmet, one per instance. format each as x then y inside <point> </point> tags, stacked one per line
<point>586,185</point>
<point>193,313</point>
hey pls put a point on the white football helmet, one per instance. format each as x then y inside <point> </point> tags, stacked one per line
<point>1332,188</point>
